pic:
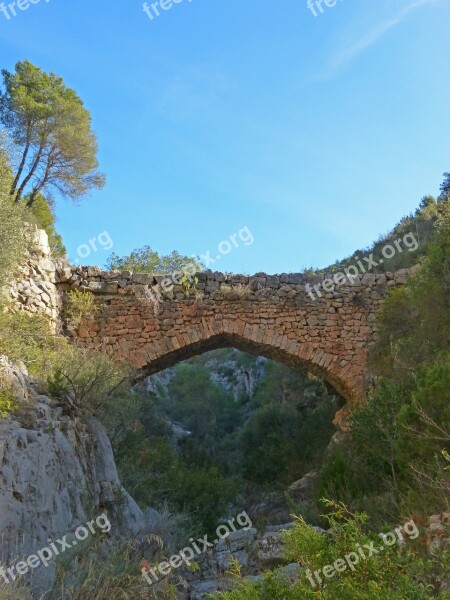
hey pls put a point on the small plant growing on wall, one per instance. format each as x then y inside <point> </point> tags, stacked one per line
<point>188,283</point>
<point>80,305</point>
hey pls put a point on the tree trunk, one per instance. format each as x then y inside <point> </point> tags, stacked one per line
<point>19,171</point>
<point>39,187</point>
<point>30,174</point>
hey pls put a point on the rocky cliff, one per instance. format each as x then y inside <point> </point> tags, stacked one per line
<point>56,474</point>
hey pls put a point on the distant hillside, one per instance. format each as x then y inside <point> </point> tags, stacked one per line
<point>418,227</point>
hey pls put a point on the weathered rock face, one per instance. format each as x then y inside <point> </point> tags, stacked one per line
<point>255,552</point>
<point>271,316</point>
<point>229,373</point>
<point>56,474</point>
<point>438,534</point>
<point>240,379</point>
<point>34,290</point>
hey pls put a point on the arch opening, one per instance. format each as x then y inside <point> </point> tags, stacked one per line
<point>296,360</point>
<point>225,418</point>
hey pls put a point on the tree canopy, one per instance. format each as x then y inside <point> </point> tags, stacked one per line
<point>51,129</point>
<point>146,260</point>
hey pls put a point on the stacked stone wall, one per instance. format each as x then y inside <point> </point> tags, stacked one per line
<point>151,324</point>
<point>34,289</point>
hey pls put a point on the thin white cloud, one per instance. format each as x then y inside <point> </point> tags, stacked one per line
<point>349,53</point>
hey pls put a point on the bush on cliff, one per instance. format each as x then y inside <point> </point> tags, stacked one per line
<point>399,438</point>
<point>86,380</point>
<point>28,338</point>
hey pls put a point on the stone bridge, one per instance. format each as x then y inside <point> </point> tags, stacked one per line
<point>153,324</point>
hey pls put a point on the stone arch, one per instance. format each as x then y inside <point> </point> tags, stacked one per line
<point>299,357</point>
<point>152,328</point>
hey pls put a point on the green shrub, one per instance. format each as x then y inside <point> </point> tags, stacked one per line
<point>7,400</point>
<point>86,380</point>
<point>389,575</point>
<point>29,338</point>
<point>204,494</point>
<point>392,459</point>
<point>414,322</point>
<point>80,305</point>
<point>109,573</point>
<point>82,379</point>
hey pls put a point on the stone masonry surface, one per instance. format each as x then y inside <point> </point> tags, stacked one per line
<point>34,290</point>
<point>272,316</point>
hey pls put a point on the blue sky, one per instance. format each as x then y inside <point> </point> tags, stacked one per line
<point>316,133</point>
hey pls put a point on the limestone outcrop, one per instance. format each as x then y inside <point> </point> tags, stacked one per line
<point>56,473</point>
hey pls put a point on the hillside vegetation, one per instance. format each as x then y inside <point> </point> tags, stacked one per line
<point>395,462</point>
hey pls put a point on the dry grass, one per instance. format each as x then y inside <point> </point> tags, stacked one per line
<point>236,292</point>
<point>101,576</point>
<point>13,592</point>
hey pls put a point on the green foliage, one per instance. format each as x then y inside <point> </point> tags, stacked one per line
<point>395,451</point>
<point>118,578</point>
<point>395,454</point>
<point>80,305</point>
<point>146,461</point>
<point>421,225</point>
<point>376,431</point>
<point>146,260</point>
<point>415,320</point>
<point>86,380</point>
<point>13,232</point>
<point>292,421</point>
<point>220,452</point>
<point>42,215</point>
<point>204,494</point>
<point>188,283</point>
<point>203,407</point>
<point>157,470</point>
<point>445,187</point>
<point>385,576</point>
<point>28,338</point>
<point>7,400</point>
<point>270,429</point>
<point>52,130</point>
